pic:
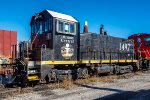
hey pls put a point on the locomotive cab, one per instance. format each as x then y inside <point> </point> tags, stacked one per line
<point>55,42</point>
<point>142,48</point>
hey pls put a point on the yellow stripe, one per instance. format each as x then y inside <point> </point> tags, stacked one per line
<point>33,78</point>
<point>60,62</point>
<point>107,61</point>
<point>56,62</point>
<point>83,62</point>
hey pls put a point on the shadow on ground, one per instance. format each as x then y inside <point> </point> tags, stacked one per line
<point>128,95</point>
<point>122,95</point>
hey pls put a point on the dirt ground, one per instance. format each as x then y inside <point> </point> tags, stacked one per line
<point>136,87</point>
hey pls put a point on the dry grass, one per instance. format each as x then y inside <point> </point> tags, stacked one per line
<point>122,77</point>
<point>125,76</point>
<point>96,79</point>
<point>108,78</point>
<point>138,73</point>
<point>67,84</point>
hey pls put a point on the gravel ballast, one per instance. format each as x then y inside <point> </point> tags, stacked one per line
<point>136,87</point>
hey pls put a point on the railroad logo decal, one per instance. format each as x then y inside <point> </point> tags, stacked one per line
<point>67,51</point>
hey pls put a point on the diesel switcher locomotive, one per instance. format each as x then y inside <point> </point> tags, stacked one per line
<point>58,51</point>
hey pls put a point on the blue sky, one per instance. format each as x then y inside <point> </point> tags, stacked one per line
<point>121,18</point>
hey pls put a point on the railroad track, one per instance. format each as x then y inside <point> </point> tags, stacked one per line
<point>8,92</point>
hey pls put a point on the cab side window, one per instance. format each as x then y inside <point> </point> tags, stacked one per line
<point>147,41</point>
<point>61,24</point>
<point>66,27</point>
<point>139,42</point>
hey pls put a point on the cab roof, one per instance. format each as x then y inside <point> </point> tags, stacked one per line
<point>61,16</point>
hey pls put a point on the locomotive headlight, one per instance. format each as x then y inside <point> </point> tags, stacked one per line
<point>32,71</point>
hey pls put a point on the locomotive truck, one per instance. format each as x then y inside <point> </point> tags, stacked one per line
<point>58,51</point>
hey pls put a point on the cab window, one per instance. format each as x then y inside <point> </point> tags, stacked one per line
<point>46,25</point>
<point>139,41</point>
<point>147,41</point>
<point>32,28</point>
<point>66,27</point>
<point>71,28</point>
<point>61,24</point>
<point>41,28</point>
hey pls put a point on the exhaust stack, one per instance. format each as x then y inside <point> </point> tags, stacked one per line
<point>102,29</point>
<point>85,30</point>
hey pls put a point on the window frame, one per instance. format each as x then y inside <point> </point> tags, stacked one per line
<point>66,22</point>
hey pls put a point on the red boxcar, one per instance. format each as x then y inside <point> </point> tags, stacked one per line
<point>8,40</point>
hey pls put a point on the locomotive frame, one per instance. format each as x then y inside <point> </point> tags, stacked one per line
<point>61,65</point>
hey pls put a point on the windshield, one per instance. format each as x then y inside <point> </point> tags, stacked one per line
<point>147,41</point>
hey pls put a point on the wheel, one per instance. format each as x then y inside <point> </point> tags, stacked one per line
<point>52,76</point>
<point>69,76</point>
<point>114,70</point>
<point>148,64</point>
<point>24,80</point>
<point>130,68</point>
<point>117,70</point>
<point>2,83</point>
<point>95,71</point>
<point>85,73</point>
<point>47,79</point>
